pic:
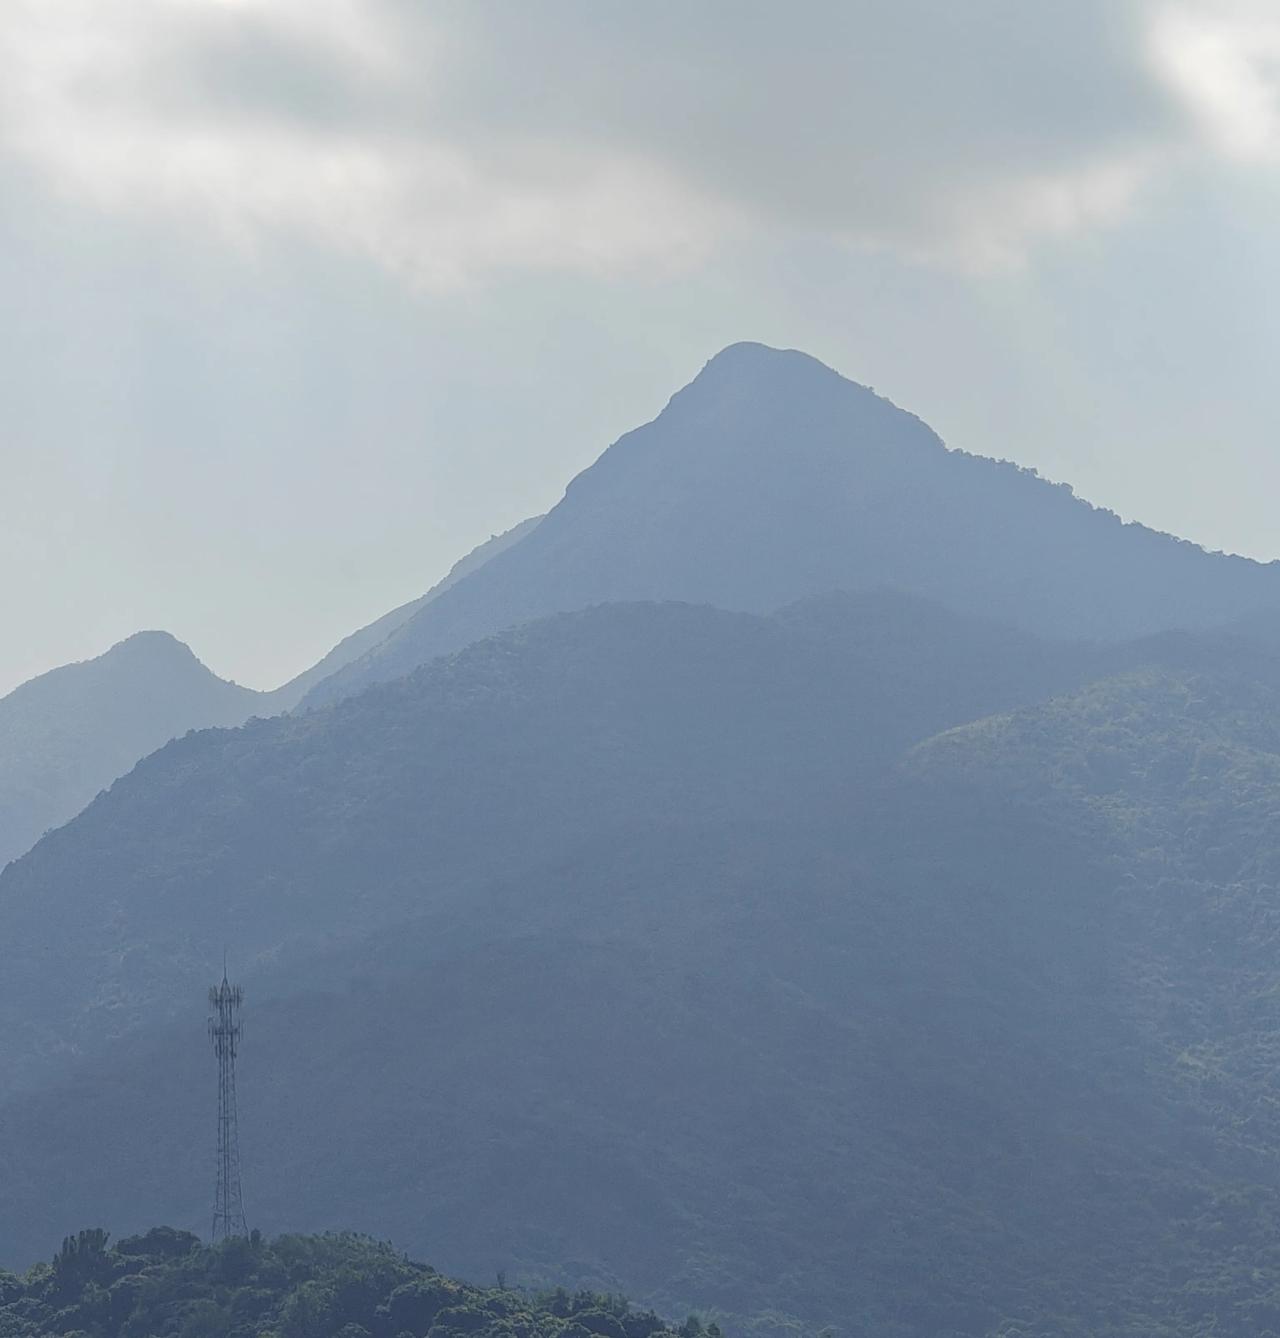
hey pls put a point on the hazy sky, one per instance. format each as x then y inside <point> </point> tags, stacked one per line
<point>305,298</point>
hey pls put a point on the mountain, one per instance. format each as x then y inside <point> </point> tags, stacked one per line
<point>1261,626</point>
<point>569,812</point>
<point>69,733</point>
<point>365,639</point>
<point>771,478</point>
<point>864,965</point>
<point>853,962</point>
<point>282,834</point>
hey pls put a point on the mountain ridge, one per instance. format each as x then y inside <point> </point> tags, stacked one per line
<point>357,643</point>
<point>770,477</point>
<point>881,959</point>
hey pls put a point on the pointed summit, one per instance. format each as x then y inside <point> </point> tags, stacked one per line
<point>750,359</point>
<point>761,366</point>
<point>153,647</point>
<point>770,478</point>
<point>747,377</point>
<point>151,639</point>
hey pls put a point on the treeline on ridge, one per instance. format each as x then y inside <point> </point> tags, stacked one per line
<point>165,1282</point>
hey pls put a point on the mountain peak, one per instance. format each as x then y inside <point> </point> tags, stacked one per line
<point>153,647</point>
<point>770,478</point>
<point>747,351</point>
<point>150,639</point>
<point>762,364</point>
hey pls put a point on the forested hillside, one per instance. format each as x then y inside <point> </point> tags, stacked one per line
<point>165,1284</point>
<point>864,966</point>
<point>279,836</point>
<point>818,876</point>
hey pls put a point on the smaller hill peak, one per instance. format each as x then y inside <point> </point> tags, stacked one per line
<point>151,644</point>
<point>150,638</point>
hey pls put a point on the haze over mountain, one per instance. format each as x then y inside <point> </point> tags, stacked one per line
<point>658,946</point>
<point>484,763</point>
<point>867,962</point>
<point>770,478</point>
<point>69,733</point>
<point>365,639</point>
<point>820,874</point>
<point>575,803</point>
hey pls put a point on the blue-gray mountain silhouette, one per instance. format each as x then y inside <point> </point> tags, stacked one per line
<point>741,961</point>
<point>866,963</point>
<point>69,733</point>
<point>771,478</point>
<point>72,731</point>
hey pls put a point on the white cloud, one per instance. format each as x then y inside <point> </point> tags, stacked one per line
<point>1222,60</point>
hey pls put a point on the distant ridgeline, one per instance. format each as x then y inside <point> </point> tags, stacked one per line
<point>334,1286</point>
<point>843,897</point>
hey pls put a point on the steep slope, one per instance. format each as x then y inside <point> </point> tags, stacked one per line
<point>69,733</point>
<point>770,478</point>
<point>976,1044</point>
<point>365,639</point>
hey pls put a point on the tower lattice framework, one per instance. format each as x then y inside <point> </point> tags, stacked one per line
<point>224,1032</point>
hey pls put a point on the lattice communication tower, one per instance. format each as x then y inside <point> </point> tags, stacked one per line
<point>224,1032</point>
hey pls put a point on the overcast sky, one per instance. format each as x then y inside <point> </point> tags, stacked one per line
<point>304,298</point>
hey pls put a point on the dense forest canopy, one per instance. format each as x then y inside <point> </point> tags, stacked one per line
<point>793,967</point>
<point>165,1284</point>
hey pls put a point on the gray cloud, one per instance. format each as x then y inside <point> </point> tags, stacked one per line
<point>847,117</point>
<point>452,141</point>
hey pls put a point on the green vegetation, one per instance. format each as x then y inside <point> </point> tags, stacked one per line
<point>165,1284</point>
<point>862,967</point>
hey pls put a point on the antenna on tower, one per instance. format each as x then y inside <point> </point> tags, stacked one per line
<point>224,1032</point>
